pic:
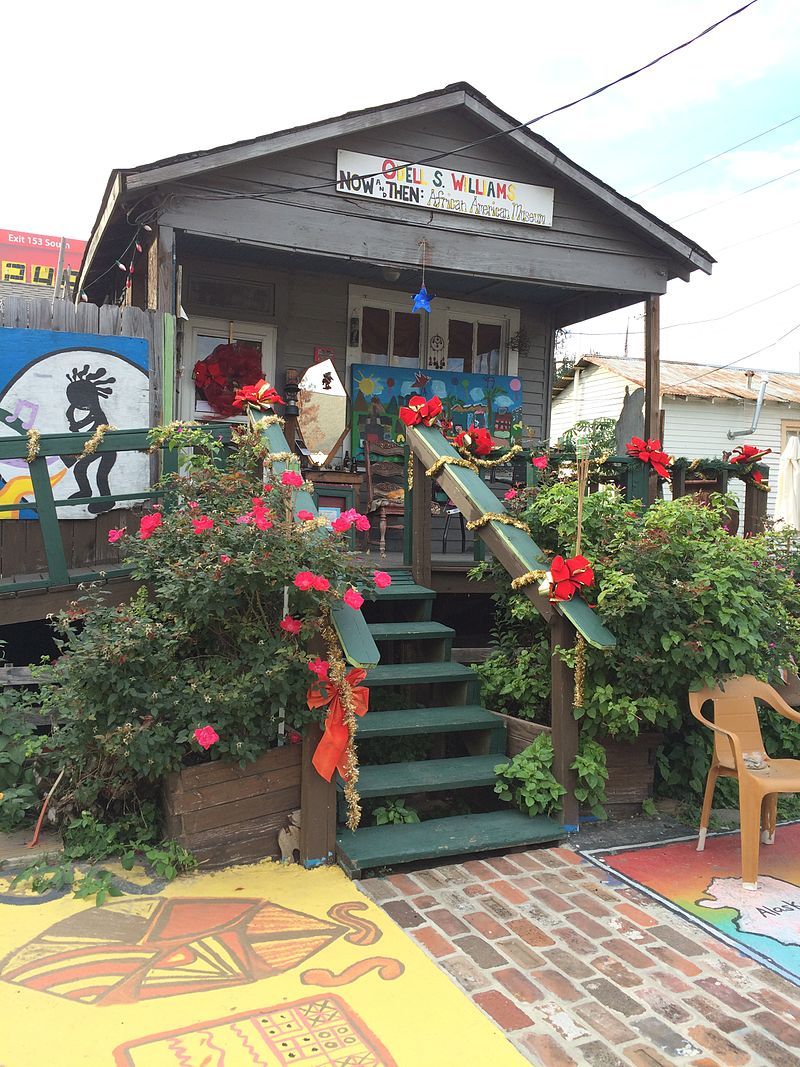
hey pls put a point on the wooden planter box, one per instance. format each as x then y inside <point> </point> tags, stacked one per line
<point>224,813</point>
<point>631,764</point>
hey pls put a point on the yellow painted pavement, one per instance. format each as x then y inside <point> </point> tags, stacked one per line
<point>262,965</point>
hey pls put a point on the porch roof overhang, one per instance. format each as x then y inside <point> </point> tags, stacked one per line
<point>131,187</point>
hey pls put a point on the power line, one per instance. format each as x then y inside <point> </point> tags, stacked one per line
<point>742,358</point>
<point>766,233</point>
<point>736,196</point>
<point>697,322</point>
<point>719,155</point>
<point>512,129</point>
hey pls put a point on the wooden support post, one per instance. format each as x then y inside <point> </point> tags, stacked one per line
<point>165,267</point>
<point>317,807</point>
<point>565,731</point>
<point>652,368</point>
<point>755,505</point>
<point>48,522</point>
<point>421,513</point>
<point>679,483</point>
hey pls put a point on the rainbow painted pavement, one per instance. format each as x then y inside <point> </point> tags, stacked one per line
<point>705,887</point>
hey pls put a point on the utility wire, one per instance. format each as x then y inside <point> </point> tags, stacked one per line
<point>511,129</point>
<point>736,196</point>
<point>719,155</point>
<point>697,322</point>
<point>742,358</point>
<point>755,237</point>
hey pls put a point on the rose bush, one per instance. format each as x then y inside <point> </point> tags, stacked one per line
<point>212,654</point>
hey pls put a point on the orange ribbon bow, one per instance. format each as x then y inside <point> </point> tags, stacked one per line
<point>330,752</point>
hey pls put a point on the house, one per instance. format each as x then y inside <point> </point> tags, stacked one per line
<point>700,404</point>
<point>316,238</point>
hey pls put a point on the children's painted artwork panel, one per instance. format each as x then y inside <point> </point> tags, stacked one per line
<point>490,401</point>
<point>56,382</point>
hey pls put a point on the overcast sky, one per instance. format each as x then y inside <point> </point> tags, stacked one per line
<point>90,86</point>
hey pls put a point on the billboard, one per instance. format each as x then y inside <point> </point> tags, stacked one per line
<point>32,258</point>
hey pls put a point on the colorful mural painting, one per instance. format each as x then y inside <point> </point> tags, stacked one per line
<point>491,401</point>
<point>706,888</point>
<point>55,382</point>
<point>269,964</point>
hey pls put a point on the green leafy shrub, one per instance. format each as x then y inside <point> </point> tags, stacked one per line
<point>394,811</point>
<point>528,780</point>
<point>688,604</point>
<point>599,435</point>
<point>19,795</point>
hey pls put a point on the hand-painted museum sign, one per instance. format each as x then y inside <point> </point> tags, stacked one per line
<point>32,258</point>
<point>443,189</point>
<point>57,382</point>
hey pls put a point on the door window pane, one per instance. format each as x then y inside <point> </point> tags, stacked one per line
<point>488,351</point>
<point>219,393</point>
<point>375,332</point>
<point>459,345</point>
<point>406,335</point>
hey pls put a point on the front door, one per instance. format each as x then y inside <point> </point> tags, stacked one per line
<point>201,338</point>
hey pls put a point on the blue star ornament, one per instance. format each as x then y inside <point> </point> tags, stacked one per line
<point>422,302</point>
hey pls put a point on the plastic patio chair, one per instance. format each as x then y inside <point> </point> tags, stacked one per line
<point>739,753</point>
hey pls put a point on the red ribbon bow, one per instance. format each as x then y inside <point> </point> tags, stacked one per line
<point>650,452</point>
<point>330,752</point>
<point>478,441</point>
<point>421,411</point>
<point>747,454</point>
<point>568,575</point>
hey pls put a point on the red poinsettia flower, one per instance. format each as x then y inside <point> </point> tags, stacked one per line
<point>478,441</point>
<point>567,576</point>
<point>421,412</point>
<point>650,452</point>
<point>747,454</point>
<point>261,396</point>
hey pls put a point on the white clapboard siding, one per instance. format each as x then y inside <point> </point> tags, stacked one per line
<point>594,393</point>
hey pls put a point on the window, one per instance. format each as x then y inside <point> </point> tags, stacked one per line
<point>200,338</point>
<point>789,428</point>
<point>388,335</point>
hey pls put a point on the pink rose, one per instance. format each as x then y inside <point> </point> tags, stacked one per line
<point>116,535</point>
<point>510,495</point>
<point>292,478</point>
<point>149,524</point>
<point>257,501</point>
<point>341,525</point>
<point>319,667</point>
<point>304,580</point>
<point>540,462</point>
<point>294,737</point>
<point>362,523</point>
<point>203,523</point>
<point>381,579</point>
<point>291,625</point>
<point>224,559</point>
<point>322,585</point>
<point>206,736</point>
<point>193,504</point>
<point>353,599</point>
<point>351,515</point>
<point>305,516</point>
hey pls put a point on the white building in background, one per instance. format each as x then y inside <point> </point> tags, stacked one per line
<point>700,402</point>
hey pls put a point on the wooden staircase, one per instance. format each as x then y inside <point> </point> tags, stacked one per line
<point>415,662</point>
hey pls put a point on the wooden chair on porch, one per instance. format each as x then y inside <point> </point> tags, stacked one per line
<point>739,753</point>
<point>387,478</point>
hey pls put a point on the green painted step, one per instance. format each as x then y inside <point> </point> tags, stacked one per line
<point>404,591</point>
<point>411,631</point>
<point>381,846</point>
<point>419,674</point>
<point>427,721</point>
<point>428,776</point>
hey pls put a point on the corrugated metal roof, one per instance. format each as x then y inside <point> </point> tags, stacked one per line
<point>698,379</point>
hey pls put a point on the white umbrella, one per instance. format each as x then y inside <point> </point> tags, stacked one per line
<point>787,505</point>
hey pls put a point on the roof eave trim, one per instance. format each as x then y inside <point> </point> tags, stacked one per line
<point>684,249</point>
<point>103,219</point>
<point>214,159</point>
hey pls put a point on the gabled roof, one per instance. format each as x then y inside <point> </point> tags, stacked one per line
<point>697,380</point>
<point>138,180</point>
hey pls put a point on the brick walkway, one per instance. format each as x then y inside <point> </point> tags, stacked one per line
<point>579,971</point>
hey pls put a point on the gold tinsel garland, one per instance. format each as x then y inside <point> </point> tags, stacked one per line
<point>450,461</point>
<point>95,440</point>
<point>338,675</point>
<point>513,451</point>
<point>528,578</point>
<point>580,671</point>
<point>34,438</point>
<point>496,516</point>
